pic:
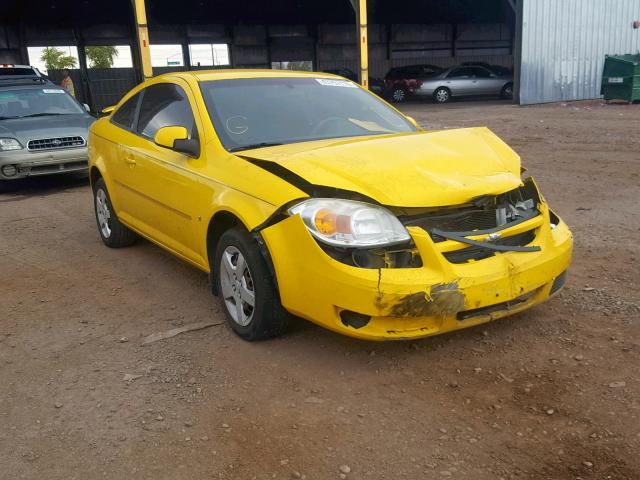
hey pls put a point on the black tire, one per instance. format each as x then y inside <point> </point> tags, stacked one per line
<point>507,91</point>
<point>398,95</point>
<point>116,235</point>
<point>442,95</point>
<point>267,318</point>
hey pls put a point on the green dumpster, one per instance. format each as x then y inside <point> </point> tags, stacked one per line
<point>621,77</point>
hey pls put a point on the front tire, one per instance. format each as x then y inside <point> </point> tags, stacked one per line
<point>246,288</point>
<point>507,91</point>
<point>442,95</point>
<point>113,233</point>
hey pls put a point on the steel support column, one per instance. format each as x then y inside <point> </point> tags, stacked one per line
<point>186,51</point>
<point>84,71</point>
<point>363,42</point>
<point>140,15</point>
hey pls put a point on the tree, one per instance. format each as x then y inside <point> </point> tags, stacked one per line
<point>101,57</point>
<point>55,59</point>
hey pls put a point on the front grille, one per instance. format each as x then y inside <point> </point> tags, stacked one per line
<point>478,253</point>
<point>463,220</point>
<point>485,214</point>
<point>56,143</point>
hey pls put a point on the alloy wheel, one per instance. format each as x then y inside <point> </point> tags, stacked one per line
<point>237,286</point>
<point>398,95</point>
<point>442,95</point>
<point>103,213</point>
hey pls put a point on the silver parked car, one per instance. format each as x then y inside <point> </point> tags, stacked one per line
<point>465,81</point>
<point>43,129</point>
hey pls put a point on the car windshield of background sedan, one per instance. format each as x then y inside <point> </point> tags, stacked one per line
<point>258,112</point>
<point>36,102</point>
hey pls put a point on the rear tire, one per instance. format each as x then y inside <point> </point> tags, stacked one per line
<point>113,233</point>
<point>246,287</point>
<point>442,95</point>
<point>507,91</point>
<point>398,95</point>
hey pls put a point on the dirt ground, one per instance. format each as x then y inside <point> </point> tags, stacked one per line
<point>553,393</point>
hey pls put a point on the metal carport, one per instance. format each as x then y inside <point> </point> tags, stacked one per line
<point>258,33</point>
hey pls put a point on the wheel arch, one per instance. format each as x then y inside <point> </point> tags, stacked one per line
<point>220,222</point>
<point>94,175</point>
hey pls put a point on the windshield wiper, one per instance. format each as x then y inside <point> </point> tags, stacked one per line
<point>41,115</point>
<point>8,118</point>
<point>254,145</point>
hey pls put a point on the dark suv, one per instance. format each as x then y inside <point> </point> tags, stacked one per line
<point>400,82</point>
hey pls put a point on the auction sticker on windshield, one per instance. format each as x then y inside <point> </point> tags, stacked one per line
<point>335,83</point>
<point>52,90</point>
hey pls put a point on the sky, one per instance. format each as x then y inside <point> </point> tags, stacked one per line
<point>161,55</point>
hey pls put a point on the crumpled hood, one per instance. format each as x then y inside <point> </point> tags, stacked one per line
<point>25,129</point>
<point>424,169</point>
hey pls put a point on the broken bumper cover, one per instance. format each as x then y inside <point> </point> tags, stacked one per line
<point>405,303</point>
<point>26,163</point>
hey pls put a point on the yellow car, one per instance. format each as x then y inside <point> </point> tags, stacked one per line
<point>303,194</point>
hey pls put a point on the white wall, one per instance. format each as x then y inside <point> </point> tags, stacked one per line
<point>564,43</point>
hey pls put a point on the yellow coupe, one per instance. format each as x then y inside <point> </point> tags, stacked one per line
<point>304,194</point>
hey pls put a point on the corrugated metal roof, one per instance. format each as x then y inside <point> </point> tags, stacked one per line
<point>564,43</point>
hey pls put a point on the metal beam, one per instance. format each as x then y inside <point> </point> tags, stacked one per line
<point>360,7</point>
<point>84,71</point>
<point>363,42</point>
<point>140,14</point>
<point>517,57</point>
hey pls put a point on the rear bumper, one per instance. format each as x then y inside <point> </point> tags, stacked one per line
<point>394,304</point>
<point>43,163</point>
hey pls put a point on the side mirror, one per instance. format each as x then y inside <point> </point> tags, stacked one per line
<point>86,107</point>
<point>177,139</point>
<point>413,121</point>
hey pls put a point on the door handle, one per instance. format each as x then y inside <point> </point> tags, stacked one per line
<point>129,160</point>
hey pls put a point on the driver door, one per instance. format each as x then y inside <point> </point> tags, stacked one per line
<point>460,81</point>
<point>166,184</point>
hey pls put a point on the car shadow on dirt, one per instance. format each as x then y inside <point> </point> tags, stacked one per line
<point>25,187</point>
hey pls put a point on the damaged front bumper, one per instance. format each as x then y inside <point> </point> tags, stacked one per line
<point>405,303</point>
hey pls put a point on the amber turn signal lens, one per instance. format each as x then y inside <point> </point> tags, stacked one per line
<point>326,222</point>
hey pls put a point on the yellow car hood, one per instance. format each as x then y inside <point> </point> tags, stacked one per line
<point>423,169</point>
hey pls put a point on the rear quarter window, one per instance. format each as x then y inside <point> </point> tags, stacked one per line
<point>125,115</point>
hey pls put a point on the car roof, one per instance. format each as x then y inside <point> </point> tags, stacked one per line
<point>229,74</point>
<point>413,65</point>
<point>23,83</point>
<point>13,65</point>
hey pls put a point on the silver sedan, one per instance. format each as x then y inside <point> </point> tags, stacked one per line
<point>465,81</point>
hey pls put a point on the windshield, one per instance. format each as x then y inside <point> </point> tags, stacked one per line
<point>32,102</point>
<point>255,112</point>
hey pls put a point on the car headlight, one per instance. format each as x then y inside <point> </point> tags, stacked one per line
<point>9,144</point>
<point>348,223</point>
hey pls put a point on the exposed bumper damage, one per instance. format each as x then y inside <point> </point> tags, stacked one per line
<point>443,293</point>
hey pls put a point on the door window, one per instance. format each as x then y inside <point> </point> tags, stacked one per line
<point>165,105</point>
<point>126,113</point>
<point>463,72</point>
<point>480,72</point>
